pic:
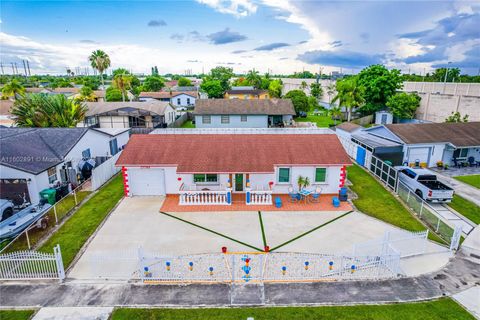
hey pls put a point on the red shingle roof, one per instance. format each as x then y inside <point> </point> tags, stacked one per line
<point>222,153</point>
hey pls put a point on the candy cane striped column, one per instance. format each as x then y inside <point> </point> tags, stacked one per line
<point>126,189</point>
<point>343,176</point>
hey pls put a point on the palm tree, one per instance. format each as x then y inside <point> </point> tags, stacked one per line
<point>303,85</point>
<point>12,89</point>
<point>123,83</point>
<point>330,91</point>
<point>38,110</point>
<point>100,61</point>
<point>253,77</point>
<point>86,94</point>
<point>335,113</point>
<point>349,95</point>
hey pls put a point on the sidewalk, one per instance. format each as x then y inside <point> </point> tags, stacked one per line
<point>73,313</point>
<point>462,189</point>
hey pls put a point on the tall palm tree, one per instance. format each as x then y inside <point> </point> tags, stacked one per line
<point>335,113</point>
<point>38,110</point>
<point>349,95</point>
<point>123,83</point>
<point>254,78</point>
<point>12,89</point>
<point>100,61</point>
<point>330,91</point>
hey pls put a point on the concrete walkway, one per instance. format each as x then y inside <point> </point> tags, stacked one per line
<point>462,189</point>
<point>462,272</point>
<point>73,313</point>
<point>470,300</point>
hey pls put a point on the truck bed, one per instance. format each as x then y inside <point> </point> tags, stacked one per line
<point>435,185</point>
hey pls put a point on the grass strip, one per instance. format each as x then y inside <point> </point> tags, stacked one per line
<point>441,309</point>
<point>16,314</point>
<point>473,180</point>
<point>73,234</point>
<point>310,231</point>
<point>466,208</point>
<point>264,238</point>
<point>212,231</point>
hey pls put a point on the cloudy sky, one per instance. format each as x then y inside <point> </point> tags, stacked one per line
<point>280,36</point>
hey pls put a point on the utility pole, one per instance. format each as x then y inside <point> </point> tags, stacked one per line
<point>445,79</point>
<point>13,68</point>
<point>24,67</point>
<point>1,65</point>
<point>28,67</point>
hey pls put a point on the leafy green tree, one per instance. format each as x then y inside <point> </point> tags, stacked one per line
<point>39,110</point>
<point>91,82</point>
<point>439,74</point>
<point>241,81</point>
<point>380,84</point>
<point>60,83</point>
<point>349,95</point>
<point>299,100</point>
<point>113,94</point>
<point>100,61</point>
<point>12,89</point>
<point>86,94</point>
<point>184,82</point>
<point>254,78</point>
<point>336,114</point>
<point>313,103</point>
<point>457,117</point>
<point>123,83</point>
<point>213,88</point>
<point>223,74</point>
<point>330,91</point>
<point>316,90</point>
<point>404,105</point>
<point>275,88</point>
<point>153,83</point>
<point>119,71</point>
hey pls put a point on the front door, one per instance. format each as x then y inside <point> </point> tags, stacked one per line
<point>239,182</point>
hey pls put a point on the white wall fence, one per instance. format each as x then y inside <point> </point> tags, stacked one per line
<point>197,195</point>
<point>32,265</point>
<point>258,197</point>
<point>104,172</point>
<point>307,130</point>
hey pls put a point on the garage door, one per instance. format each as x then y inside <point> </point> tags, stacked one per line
<point>14,190</point>
<point>418,154</point>
<point>146,182</point>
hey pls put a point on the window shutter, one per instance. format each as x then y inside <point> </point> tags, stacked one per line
<point>320,174</point>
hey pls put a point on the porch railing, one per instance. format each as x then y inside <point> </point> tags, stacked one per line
<point>189,196</point>
<point>256,197</point>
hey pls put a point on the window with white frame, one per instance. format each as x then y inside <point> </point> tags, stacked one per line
<point>52,175</point>
<point>460,153</point>
<point>225,119</point>
<point>283,175</point>
<point>206,119</point>
<point>320,175</point>
<point>205,178</point>
<point>243,118</point>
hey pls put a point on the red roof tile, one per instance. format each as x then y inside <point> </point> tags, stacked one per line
<point>222,153</point>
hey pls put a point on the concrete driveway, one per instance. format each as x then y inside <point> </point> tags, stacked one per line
<point>137,222</point>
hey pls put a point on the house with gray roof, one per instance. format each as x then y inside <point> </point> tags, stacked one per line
<point>34,159</point>
<point>239,113</point>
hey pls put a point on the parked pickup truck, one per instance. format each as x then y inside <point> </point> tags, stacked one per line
<point>425,184</point>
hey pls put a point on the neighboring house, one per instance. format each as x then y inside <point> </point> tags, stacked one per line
<point>246,93</point>
<point>148,114</point>
<point>425,143</point>
<point>34,159</point>
<point>346,129</point>
<point>191,164</point>
<point>176,99</point>
<point>71,92</point>
<point>236,113</point>
<point>6,118</point>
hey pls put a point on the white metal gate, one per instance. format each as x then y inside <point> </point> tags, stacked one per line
<point>28,265</point>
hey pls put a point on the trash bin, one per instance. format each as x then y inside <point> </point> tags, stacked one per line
<point>48,194</point>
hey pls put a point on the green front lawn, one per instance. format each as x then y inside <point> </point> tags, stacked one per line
<point>76,231</point>
<point>187,124</point>
<point>321,121</point>
<point>473,180</point>
<point>466,208</point>
<point>377,202</point>
<point>433,310</point>
<point>16,314</point>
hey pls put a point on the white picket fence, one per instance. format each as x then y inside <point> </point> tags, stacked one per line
<point>260,197</point>
<point>32,265</point>
<point>104,172</point>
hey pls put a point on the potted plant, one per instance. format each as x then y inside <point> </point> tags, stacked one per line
<point>306,182</point>
<point>439,164</point>
<point>300,182</point>
<point>445,166</point>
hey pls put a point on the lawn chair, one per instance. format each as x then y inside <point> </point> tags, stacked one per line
<point>294,196</point>
<point>472,162</point>
<point>315,197</point>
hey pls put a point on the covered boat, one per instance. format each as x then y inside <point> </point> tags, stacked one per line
<point>18,222</point>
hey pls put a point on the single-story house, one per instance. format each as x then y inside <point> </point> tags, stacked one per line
<point>346,129</point>
<point>246,92</point>
<point>176,99</point>
<point>213,165</point>
<point>236,113</point>
<point>148,114</point>
<point>34,159</point>
<point>426,143</point>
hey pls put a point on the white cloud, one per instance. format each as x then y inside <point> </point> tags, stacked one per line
<point>238,8</point>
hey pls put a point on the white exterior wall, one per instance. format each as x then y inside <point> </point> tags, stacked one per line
<point>172,184</point>
<point>113,122</point>
<point>37,183</point>
<point>183,100</point>
<point>436,152</point>
<point>253,121</point>
<point>169,115</point>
